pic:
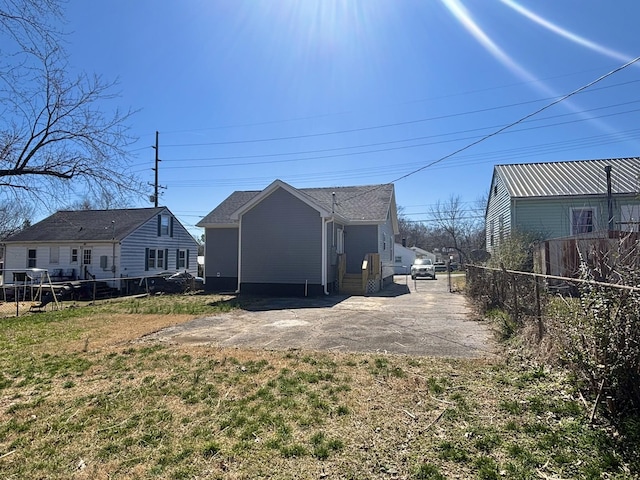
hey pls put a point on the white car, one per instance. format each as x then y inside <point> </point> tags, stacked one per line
<point>423,267</point>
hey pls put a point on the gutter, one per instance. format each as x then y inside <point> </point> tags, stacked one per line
<point>325,222</point>
<point>239,255</point>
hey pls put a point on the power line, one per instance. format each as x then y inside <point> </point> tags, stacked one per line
<point>403,147</point>
<point>418,145</point>
<point>375,127</point>
<point>522,119</point>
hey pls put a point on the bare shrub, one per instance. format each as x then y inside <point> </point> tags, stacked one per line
<point>602,335</point>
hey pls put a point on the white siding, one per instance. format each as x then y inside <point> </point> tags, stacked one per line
<point>146,236</point>
<point>16,258</point>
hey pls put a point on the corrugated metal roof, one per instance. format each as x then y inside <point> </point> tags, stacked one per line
<point>580,177</point>
<point>367,203</point>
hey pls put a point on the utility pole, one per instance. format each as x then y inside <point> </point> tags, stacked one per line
<point>155,192</point>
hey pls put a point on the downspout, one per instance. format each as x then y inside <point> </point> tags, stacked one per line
<point>607,170</point>
<point>239,253</point>
<point>324,254</point>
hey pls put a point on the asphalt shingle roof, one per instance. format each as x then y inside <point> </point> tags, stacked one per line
<point>366,203</point>
<point>86,225</point>
<point>580,177</point>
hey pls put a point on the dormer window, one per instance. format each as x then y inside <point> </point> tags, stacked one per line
<point>165,226</point>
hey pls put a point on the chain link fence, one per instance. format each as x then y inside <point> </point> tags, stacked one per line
<point>32,290</point>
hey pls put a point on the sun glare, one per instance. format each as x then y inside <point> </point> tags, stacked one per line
<point>458,10</point>
<point>566,33</point>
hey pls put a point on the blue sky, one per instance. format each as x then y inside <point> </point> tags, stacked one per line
<point>322,93</point>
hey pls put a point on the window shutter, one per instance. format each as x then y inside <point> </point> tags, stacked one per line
<point>177,258</point>
<point>166,259</point>
<point>146,259</point>
<point>171,227</point>
<point>187,261</point>
<point>159,225</point>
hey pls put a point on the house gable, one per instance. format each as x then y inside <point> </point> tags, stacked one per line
<point>275,186</point>
<point>281,241</point>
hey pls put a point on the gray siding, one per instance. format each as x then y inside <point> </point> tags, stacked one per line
<point>281,241</point>
<point>221,252</point>
<point>133,248</point>
<point>360,240</point>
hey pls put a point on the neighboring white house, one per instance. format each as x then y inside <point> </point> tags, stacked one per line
<point>419,252</point>
<point>404,257</point>
<point>103,244</point>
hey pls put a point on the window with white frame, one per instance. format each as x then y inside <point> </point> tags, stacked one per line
<point>630,218</point>
<point>164,225</point>
<point>151,259</point>
<point>156,258</point>
<point>86,256</point>
<point>74,255</point>
<point>31,258</point>
<point>182,259</point>
<point>398,259</point>
<point>54,255</point>
<point>582,220</point>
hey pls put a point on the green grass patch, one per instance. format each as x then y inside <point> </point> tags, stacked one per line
<point>150,410</point>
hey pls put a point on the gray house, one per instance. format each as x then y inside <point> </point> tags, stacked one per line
<point>310,241</point>
<point>103,244</point>
<point>563,199</point>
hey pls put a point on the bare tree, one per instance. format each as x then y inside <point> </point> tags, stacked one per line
<point>14,216</point>
<point>462,228</point>
<point>54,136</point>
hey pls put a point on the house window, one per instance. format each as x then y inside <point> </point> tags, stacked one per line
<point>398,259</point>
<point>155,258</point>
<point>340,241</point>
<point>582,220</point>
<point>164,225</point>
<point>54,255</point>
<point>182,259</point>
<point>86,257</point>
<point>31,258</point>
<point>74,255</point>
<point>491,226</point>
<point>630,218</point>
<point>501,227</point>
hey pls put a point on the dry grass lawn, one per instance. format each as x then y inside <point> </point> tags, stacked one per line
<point>81,396</point>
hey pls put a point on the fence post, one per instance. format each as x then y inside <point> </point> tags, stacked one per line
<point>538,308</point>
<point>516,313</point>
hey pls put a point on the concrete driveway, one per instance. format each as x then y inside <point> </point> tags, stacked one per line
<point>409,317</point>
